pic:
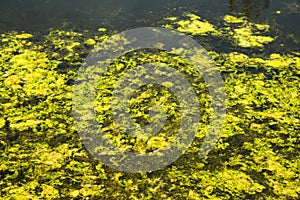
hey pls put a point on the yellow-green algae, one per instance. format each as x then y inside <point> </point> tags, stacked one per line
<point>248,34</point>
<point>257,156</point>
<point>238,29</point>
<point>193,25</point>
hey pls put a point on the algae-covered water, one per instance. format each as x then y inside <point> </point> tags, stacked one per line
<point>251,48</point>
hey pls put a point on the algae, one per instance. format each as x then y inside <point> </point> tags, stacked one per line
<point>257,156</point>
<point>237,29</point>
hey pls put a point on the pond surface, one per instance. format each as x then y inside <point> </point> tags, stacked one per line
<point>31,15</point>
<point>40,16</point>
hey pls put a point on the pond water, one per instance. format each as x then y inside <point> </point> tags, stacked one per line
<point>31,15</point>
<point>255,46</point>
<point>40,16</point>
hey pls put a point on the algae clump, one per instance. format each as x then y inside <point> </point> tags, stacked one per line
<point>257,156</point>
<point>238,29</point>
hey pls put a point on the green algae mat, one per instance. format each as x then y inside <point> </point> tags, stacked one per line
<point>255,157</point>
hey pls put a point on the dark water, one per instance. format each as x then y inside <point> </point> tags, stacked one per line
<point>119,15</point>
<point>40,15</point>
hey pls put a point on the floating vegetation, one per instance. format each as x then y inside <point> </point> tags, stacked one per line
<point>194,25</point>
<point>238,30</point>
<point>248,34</point>
<point>257,156</point>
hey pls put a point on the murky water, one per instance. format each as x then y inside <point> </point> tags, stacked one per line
<point>41,15</point>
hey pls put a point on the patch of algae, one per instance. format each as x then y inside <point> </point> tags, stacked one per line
<point>246,34</point>
<point>237,29</point>
<point>257,156</point>
<point>194,25</point>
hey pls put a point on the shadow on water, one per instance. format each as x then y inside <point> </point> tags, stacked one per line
<point>32,15</point>
<point>40,16</point>
<point>251,8</point>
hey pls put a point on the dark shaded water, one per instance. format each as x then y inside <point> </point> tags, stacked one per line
<point>78,15</point>
<point>32,15</point>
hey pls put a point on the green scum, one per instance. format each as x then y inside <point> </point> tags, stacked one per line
<point>257,156</point>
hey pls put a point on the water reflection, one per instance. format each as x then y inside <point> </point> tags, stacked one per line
<point>33,15</point>
<point>40,15</point>
<point>250,8</point>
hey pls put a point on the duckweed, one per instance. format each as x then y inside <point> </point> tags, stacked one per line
<point>257,155</point>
